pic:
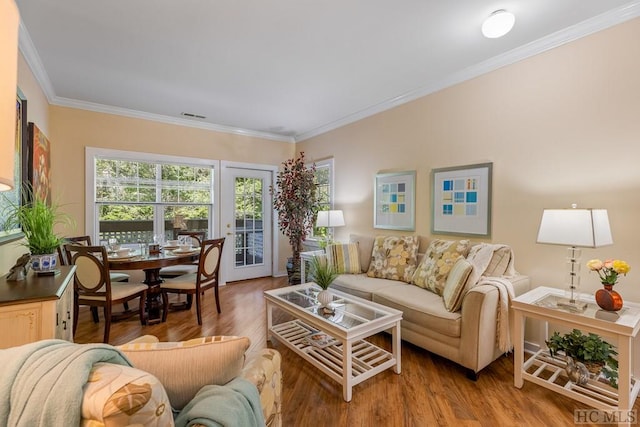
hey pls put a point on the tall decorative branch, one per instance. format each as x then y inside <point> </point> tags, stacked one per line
<point>295,199</point>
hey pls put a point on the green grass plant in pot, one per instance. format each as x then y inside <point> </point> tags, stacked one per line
<point>37,219</point>
<point>323,275</point>
<point>593,351</point>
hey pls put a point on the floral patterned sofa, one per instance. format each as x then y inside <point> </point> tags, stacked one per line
<point>454,295</point>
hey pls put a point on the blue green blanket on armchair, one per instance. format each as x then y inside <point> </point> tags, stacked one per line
<point>235,404</point>
<point>41,383</point>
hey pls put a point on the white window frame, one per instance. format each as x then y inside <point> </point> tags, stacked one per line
<point>93,153</point>
<point>313,241</point>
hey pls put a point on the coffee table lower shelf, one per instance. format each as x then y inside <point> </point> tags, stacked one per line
<point>367,359</point>
<point>549,372</point>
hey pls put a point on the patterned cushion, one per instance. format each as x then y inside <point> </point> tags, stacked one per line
<point>394,257</point>
<point>116,395</point>
<point>344,258</point>
<point>454,287</point>
<point>440,257</point>
<point>185,367</point>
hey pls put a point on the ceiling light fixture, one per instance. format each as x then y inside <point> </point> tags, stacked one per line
<point>498,24</point>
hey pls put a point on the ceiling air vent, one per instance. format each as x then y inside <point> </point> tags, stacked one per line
<point>192,116</point>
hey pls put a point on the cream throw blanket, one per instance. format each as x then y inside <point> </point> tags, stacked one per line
<point>480,257</point>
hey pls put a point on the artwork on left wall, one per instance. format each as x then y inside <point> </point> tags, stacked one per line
<point>39,163</point>
<point>19,171</point>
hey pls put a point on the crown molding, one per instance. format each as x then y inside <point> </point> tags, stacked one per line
<point>28,49</point>
<point>559,38</point>
<point>119,111</point>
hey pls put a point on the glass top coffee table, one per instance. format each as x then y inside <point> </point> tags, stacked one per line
<point>335,342</point>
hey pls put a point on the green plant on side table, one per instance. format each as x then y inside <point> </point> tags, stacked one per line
<point>593,351</point>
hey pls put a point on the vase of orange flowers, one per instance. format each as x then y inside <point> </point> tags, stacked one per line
<point>609,271</point>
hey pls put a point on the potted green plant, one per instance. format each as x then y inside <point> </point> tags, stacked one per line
<point>593,351</point>
<point>295,199</point>
<point>323,274</point>
<point>37,219</point>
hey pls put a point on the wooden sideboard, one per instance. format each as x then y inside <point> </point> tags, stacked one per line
<point>39,307</point>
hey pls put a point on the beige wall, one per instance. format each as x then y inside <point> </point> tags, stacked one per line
<point>561,127</point>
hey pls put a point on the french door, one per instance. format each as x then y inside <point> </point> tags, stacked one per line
<point>246,221</point>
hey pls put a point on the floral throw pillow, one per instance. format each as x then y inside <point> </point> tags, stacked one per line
<point>394,257</point>
<point>440,257</point>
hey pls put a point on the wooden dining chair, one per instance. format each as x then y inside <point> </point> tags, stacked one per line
<point>93,286</point>
<point>196,284</point>
<point>197,237</point>
<point>116,276</point>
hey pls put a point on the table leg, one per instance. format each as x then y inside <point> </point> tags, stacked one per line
<point>269,310</point>
<point>624,374</point>
<point>518,348</point>
<point>396,346</point>
<point>153,307</point>
<point>347,371</point>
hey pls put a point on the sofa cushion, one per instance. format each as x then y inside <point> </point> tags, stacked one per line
<point>454,287</point>
<point>394,257</point>
<point>344,258</point>
<point>362,285</point>
<point>185,367</point>
<point>117,395</point>
<point>421,307</point>
<point>365,247</point>
<point>440,257</point>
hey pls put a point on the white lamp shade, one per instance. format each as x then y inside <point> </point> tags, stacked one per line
<point>330,219</point>
<point>498,24</point>
<point>9,20</point>
<point>587,228</point>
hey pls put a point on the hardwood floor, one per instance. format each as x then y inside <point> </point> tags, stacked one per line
<point>430,391</point>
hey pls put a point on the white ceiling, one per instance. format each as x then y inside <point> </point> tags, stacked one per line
<point>281,69</point>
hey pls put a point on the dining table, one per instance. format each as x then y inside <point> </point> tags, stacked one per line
<point>151,263</point>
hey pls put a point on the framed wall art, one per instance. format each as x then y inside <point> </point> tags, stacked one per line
<point>39,163</point>
<point>461,200</point>
<point>14,196</point>
<point>394,201</point>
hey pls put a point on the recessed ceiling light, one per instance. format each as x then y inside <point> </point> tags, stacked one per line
<point>498,24</point>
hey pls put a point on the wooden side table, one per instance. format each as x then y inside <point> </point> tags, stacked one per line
<point>621,328</point>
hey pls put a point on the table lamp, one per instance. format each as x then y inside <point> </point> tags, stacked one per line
<point>575,228</point>
<point>330,219</point>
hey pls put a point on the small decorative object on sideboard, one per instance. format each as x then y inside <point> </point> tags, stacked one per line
<point>609,270</point>
<point>596,354</point>
<point>19,270</point>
